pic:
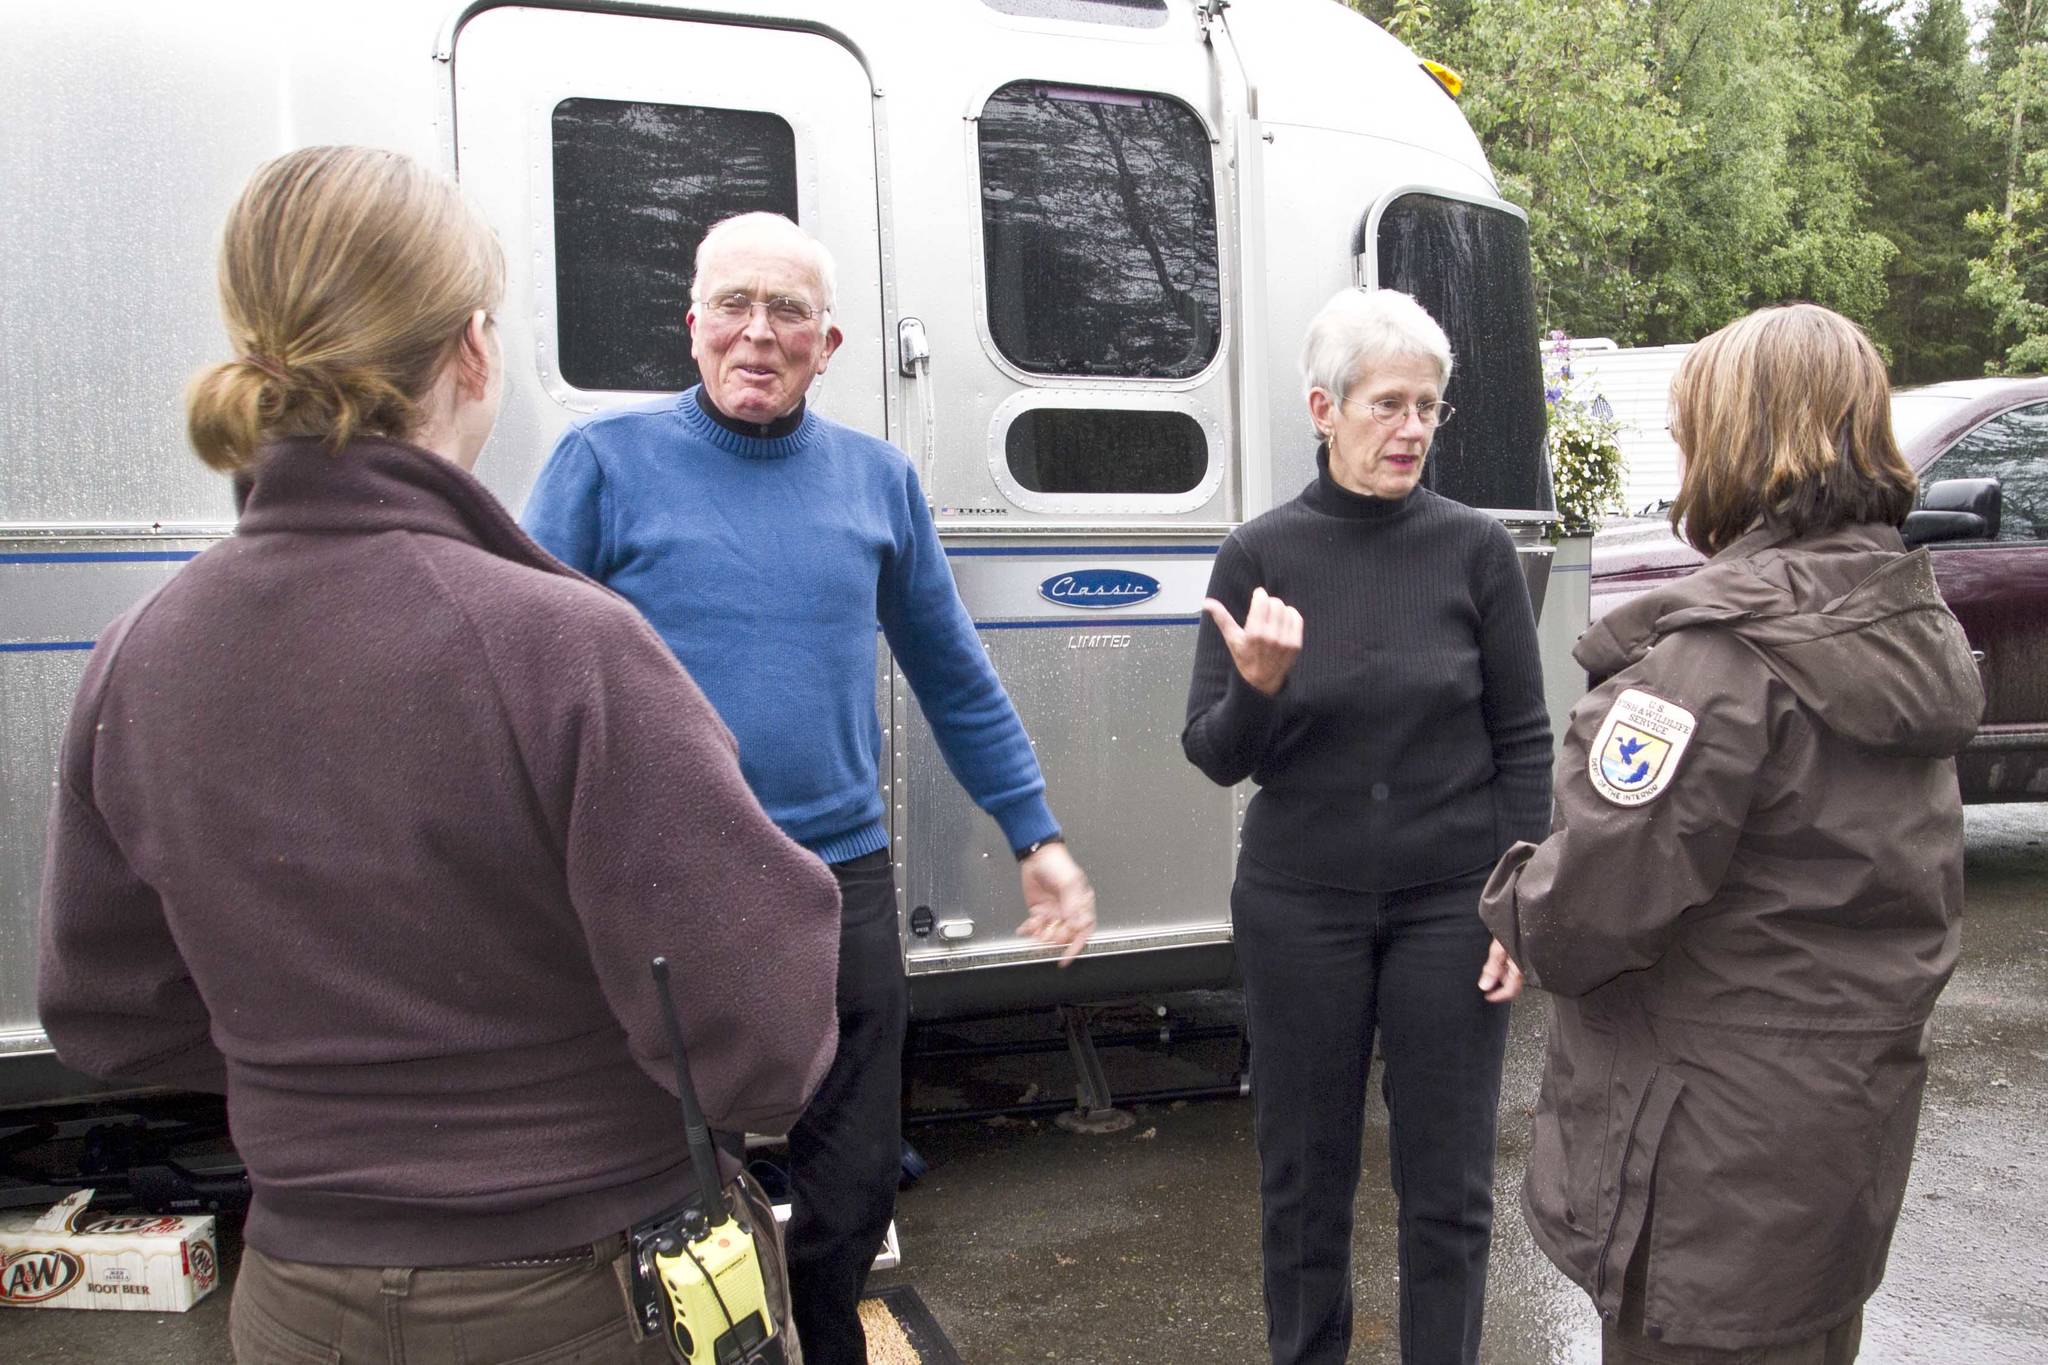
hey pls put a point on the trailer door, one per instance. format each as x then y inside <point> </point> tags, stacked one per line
<point>601,146</point>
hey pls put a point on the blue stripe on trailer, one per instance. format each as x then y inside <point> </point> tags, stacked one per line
<point>101,557</point>
<point>44,646</point>
<point>1088,623</point>
<point>1079,551</point>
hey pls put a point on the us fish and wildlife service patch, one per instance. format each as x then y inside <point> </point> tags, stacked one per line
<point>1636,753</point>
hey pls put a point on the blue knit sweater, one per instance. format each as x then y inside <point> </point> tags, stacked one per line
<point>766,565</point>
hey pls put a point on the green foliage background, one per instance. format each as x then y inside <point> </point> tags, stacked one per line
<point>1685,161</point>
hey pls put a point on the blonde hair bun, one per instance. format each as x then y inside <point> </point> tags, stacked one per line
<point>346,277</point>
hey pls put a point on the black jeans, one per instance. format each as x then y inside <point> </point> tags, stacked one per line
<point>846,1152</point>
<point>1323,968</point>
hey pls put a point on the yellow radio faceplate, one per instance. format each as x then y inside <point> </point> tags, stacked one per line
<point>718,1300</point>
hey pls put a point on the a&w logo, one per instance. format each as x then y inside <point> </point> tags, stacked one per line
<point>203,1267</point>
<point>32,1276</point>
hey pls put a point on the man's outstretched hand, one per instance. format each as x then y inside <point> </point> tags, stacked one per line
<point>1059,898</point>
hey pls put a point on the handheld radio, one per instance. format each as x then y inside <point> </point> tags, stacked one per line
<point>697,1271</point>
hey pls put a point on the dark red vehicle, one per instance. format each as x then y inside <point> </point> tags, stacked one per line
<point>1980,447</point>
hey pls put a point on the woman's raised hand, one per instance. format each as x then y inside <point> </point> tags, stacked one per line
<point>1266,645</point>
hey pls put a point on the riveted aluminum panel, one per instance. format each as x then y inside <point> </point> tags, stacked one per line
<point>1102,692</point>
<point>35,698</point>
<point>130,128</point>
<point>56,596</point>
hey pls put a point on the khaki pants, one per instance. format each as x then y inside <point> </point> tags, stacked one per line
<point>578,1312</point>
<point>295,1313</point>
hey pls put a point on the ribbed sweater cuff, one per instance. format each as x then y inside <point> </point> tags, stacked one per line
<point>1026,821</point>
<point>1246,711</point>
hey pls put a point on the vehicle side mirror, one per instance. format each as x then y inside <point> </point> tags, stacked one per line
<point>1955,509</point>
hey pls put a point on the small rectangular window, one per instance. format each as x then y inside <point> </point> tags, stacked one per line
<point>1130,13</point>
<point>1468,264</point>
<point>1091,450</point>
<point>636,185</point>
<point>1098,212</point>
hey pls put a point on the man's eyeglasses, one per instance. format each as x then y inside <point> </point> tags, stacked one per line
<point>1388,412</point>
<point>785,313</point>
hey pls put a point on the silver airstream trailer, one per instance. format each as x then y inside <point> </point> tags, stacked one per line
<point>1078,244</point>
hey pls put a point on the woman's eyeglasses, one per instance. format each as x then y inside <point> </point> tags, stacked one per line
<point>736,309</point>
<point>1388,412</point>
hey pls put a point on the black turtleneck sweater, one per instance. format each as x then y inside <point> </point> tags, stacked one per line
<point>759,431</point>
<point>1410,742</point>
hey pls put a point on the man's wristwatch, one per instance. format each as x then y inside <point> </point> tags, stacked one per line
<point>1053,838</point>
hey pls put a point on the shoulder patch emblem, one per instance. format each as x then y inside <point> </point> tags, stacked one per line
<point>1636,752</point>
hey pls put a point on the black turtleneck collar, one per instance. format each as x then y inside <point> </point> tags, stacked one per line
<point>760,431</point>
<point>1333,499</point>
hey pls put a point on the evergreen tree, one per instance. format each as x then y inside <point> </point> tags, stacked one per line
<point>1828,255</point>
<point>1767,203</point>
<point>2011,277</point>
<point>1936,165</point>
<point>1567,100</point>
<point>1684,161</point>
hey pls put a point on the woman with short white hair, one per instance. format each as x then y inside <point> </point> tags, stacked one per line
<point>1369,659</point>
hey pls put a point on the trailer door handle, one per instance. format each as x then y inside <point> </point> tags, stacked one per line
<point>914,362</point>
<point>913,350</point>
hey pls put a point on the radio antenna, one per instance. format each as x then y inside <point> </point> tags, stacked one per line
<point>696,1133</point>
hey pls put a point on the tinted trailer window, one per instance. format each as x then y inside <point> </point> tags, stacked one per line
<point>1468,264</point>
<point>636,186</point>
<point>1098,212</point>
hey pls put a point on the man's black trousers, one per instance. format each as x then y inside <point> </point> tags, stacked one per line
<point>846,1152</point>
<point>1323,968</point>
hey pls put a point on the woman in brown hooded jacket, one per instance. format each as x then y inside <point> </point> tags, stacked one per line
<point>1749,899</point>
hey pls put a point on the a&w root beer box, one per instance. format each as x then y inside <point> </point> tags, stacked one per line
<point>71,1258</point>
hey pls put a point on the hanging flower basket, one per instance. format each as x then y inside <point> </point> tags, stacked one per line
<point>1584,445</point>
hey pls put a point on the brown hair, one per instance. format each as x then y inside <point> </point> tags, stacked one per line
<point>1785,415</point>
<point>346,277</point>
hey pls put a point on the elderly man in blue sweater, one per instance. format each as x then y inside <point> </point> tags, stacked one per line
<point>765,543</point>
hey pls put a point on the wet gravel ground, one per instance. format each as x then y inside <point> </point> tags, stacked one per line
<point>1031,1243</point>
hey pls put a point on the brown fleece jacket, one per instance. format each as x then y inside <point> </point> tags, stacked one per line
<point>372,818</point>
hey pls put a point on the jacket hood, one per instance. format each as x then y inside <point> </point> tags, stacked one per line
<point>1848,620</point>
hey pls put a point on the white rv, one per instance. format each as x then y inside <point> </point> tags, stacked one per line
<point>1635,384</point>
<point>1078,244</point>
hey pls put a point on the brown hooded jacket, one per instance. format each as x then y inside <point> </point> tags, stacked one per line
<point>1746,907</point>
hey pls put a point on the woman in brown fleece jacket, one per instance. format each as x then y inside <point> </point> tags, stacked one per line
<point>373,817</point>
<point>1749,898</point>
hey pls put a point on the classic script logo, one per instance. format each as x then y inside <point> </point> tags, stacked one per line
<point>1098,589</point>
<point>32,1276</point>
